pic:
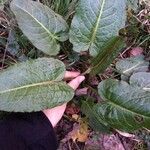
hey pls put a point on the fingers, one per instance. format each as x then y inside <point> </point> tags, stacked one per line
<point>55,114</point>
<point>76,82</point>
<point>71,74</point>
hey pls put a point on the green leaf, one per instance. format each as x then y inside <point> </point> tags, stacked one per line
<point>43,27</point>
<point>133,64</point>
<point>95,22</point>
<point>126,107</point>
<point>107,55</point>
<point>94,120</point>
<point>34,86</point>
<point>141,79</point>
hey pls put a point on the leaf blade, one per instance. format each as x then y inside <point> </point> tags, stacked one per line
<point>94,23</point>
<point>141,79</point>
<point>37,86</point>
<point>133,64</point>
<point>126,107</point>
<point>94,120</point>
<point>34,20</point>
<point>107,55</point>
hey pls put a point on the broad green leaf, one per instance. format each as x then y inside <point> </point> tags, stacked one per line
<point>95,22</point>
<point>107,55</point>
<point>43,27</point>
<point>133,64</point>
<point>94,120</point>
<point>126,107</point>
<point>141,79</point>
<point>33,86</point>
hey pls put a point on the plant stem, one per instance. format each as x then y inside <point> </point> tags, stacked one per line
<point>86,72</point>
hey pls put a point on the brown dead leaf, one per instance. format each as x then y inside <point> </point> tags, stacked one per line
<point>75,117</point>
<point>81,133</point>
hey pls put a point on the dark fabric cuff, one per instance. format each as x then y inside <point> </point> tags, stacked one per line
<point>33,128</point>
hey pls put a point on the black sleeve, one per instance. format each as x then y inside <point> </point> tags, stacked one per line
<point>27,131</point>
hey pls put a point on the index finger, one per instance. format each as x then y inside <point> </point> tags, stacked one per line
<point>76,82</point>
<point>71,74</point>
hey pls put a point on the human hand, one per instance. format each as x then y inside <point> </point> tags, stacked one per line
<point>55,114</point>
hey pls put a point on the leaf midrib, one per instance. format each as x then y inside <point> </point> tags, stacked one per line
<point>51,35</point>
<point>97,23</point>
<point>27,86</point>
<point>135,66</point>
<point>104,55</point>
<point>125,109</point>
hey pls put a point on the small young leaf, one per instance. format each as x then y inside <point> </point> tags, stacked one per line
<point>95,22</point>
<point>34,86</point>
<point>43,27</point>
<point>126,107</point>
<point>108,53</point>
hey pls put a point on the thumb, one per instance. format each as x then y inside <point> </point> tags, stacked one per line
<point>76,82</point>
